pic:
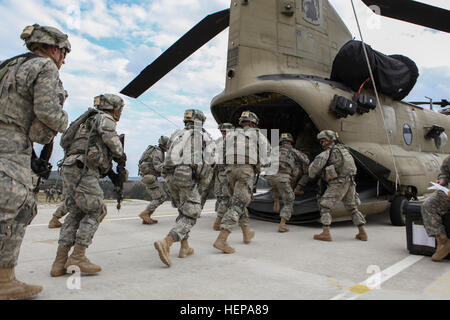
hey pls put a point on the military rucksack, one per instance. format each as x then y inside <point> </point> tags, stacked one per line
<point>286,158</point>
<point>68,136</point>
<point>347,166</point>
<point>142,166</point>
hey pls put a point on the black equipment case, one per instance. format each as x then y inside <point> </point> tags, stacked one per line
<point>417,239</point>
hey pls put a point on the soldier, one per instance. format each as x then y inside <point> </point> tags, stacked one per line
<point>59,195</point>
<point>337,168</point>
<point>88,157</point>
<point>47,195</point>
<point>60,212</point>
<point>151,168</point>
<point>220,176</point>
<point>190,155</point>
<point>31,99</point>
<point>247,151</point>
<point>292,163</point>
<point>433,210</point>
<point>52,192</point>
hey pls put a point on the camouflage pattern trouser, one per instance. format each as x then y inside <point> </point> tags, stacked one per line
<point>433,210</point>
<point>84,200</point>
<point>240,188</point>
<point>185,196</point>
<point>61,211</point>
<point>340,190</point>
<point>17,210</point>
<point>158,195</point>
<point>221,193</point>
<point>281,186</point>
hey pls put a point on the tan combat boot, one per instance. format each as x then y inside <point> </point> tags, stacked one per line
<point>163,248</point>
<point>54,223</point>
<point>248,234</point>
<point>185,250</point>
<point>276,205</point>
<point>221,242</point>
<point>58,267</point>
<point>78,258</point>
<point>443,248</point>
<point>362,235</point>
<point>145,216</point>
<point>325,235</point>
<point>282,227</point>
<point>10,288</point>
<point>217,223</point>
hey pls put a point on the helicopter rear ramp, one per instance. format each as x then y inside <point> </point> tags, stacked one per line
<point>307,210</point>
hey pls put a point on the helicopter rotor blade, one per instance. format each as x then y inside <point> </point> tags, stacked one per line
<point>414,12</point>
<point>443,103</point>
<point>194,39</point>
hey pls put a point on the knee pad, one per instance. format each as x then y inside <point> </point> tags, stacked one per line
<point>191,209</point>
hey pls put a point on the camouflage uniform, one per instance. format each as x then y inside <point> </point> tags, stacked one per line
<point>31,100</point>
<point>292,163</point>
<point>187,165</point>
<point>88,155</point>
<point>437,204</point>
<point>247,150</point>
<point>341,188</point>
<point>221,183</point>
<point>61,211</point>
<point>31,95</point>
<point>151,168</point>
<point>183,187</point>
<point>84,196</point>
<point>220,176</point>
<point>337,168</point>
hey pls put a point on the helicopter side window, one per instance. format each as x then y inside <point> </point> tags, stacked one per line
<point>407,134</point>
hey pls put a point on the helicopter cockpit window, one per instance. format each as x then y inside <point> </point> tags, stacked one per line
<point>441,140</point>
<point>407,134</point>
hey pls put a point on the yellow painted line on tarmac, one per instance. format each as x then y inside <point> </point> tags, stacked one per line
<point>359,289</point>
<point>374,282</point>
<point>441,287</point>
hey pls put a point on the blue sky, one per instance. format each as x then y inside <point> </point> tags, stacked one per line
<point>114,40</point>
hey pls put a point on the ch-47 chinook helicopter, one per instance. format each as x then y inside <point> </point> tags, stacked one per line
<point>280,57</point>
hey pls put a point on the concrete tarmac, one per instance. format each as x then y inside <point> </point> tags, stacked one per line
<point>275,266</point>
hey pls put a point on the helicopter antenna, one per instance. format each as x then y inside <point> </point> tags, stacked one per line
<point>397,178</point>
<point>431,102</point>
<point>161,115</point>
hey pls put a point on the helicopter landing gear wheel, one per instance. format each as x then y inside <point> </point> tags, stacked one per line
<point>397,212</point>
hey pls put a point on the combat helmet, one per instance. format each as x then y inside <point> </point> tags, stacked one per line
<point>248,116</point>
<point>51,36</point>
<point>194,115</point>
<point>109,102</point>
<point>286,137</point>
<point>328,135</point>
<point>164,142</point>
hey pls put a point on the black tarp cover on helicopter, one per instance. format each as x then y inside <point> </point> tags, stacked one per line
<point>394,75</point>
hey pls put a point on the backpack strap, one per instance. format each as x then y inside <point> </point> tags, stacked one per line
<point>6,64</point>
